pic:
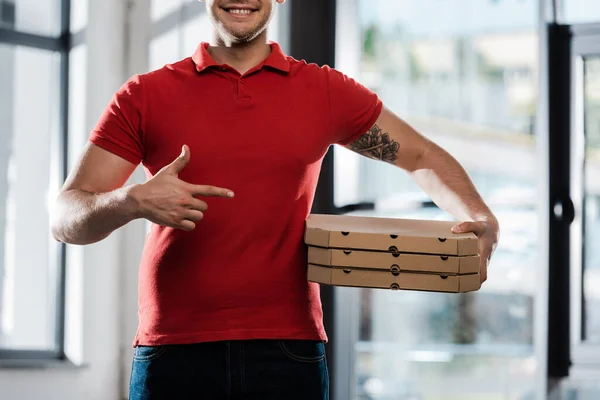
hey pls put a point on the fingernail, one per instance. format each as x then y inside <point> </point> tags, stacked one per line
<point>230,194</point>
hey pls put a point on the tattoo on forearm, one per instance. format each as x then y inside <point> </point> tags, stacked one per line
<point>376,145</point>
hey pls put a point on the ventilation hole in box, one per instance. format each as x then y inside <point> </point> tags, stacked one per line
<point>347,271</point>
<point>444,276</point>
<point>395,270</point>
<point>394,236</point>
<point>442,239</point>
<point>393,250</point>
<point>395,286</point>
<point>345,233</point>
<point>444,258</point>
<point>347,252</point>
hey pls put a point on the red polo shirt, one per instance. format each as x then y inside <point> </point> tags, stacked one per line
<point>241,274</point>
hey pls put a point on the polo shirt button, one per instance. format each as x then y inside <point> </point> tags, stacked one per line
<point>241,80</point>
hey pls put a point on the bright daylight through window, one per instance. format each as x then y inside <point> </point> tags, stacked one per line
<point>31,109</point>
<point>466,76</point>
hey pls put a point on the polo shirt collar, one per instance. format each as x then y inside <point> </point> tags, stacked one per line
<point>277,59</point>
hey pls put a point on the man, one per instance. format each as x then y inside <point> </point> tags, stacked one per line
<point>225,309</point>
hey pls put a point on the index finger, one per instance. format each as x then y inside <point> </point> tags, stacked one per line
<point>211,191</point>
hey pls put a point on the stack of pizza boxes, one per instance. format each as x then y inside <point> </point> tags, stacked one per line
<point>386,253</point>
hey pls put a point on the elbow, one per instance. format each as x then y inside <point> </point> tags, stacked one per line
<point>58,231</point>
<point>420,160</point>
<point>62,225</point>
<point>59,234</point>
<point>56,222</point>
<point>55,232</point>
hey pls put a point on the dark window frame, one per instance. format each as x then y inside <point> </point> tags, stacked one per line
<point>564,43</point>
<point>61,44</point>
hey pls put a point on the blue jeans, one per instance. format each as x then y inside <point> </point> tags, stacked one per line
<point>236,370</point>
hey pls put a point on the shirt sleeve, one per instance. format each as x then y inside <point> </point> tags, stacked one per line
<point>119,129</point>
<point>354,108</point>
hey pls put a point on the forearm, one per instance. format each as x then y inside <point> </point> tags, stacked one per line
<point>83,218</point>
<point>449,186</point>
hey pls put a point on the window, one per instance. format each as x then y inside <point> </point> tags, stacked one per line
<point>465,75</point>
<point>42,17</point>
<point>591,256</point>
<point>580,11</point>
<point>33,100</point>
<point>177,29</point>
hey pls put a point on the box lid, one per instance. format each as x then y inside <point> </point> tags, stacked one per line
<point>388,234</point>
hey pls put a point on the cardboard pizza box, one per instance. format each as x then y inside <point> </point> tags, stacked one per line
<point>394,280</point>
<point>388,234</point>
<point>380,260</point>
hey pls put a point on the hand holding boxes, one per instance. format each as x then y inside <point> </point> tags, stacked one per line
<point>391,254</point>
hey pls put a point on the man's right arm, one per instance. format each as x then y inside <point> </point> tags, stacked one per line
<point>93,202</point>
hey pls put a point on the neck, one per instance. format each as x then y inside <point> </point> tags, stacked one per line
<point>241,56</point>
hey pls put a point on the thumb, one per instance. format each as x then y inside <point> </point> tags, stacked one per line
<point>180,162</point>
<point>464,227</point>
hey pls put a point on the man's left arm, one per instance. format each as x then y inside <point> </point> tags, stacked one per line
<point>439,175</point>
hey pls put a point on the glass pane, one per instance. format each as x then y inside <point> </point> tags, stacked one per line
<point>466,77</point>
<point>195,31</point>
<point>29,87</point>
<point>181,34</point>
<point>162,8</point>
<point>581,11</point>
<point>587,388</point>
<point>41,17</point>
<point>592,201</point>
<point>79,15</point>
<point>164,49</point>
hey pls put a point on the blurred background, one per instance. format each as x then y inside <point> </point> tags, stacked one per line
<point>510,87</point>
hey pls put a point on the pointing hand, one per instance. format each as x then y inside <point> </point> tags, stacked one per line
<point>168,201</point>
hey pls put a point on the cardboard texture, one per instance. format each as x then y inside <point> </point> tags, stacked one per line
<point>450,265</point>
<point>387,234</point>
<point>396,254</point>
<point>365,278</point>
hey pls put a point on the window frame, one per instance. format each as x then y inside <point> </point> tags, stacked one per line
<point>61,44</point>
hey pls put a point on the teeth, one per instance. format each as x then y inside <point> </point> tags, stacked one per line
<point>239,11</point>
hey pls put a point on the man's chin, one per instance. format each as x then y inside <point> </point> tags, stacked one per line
<point>242,36</point>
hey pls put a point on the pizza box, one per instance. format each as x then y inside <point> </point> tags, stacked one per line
<point>394,280</point>
<point>388,234</point>
<point>382,260</point>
